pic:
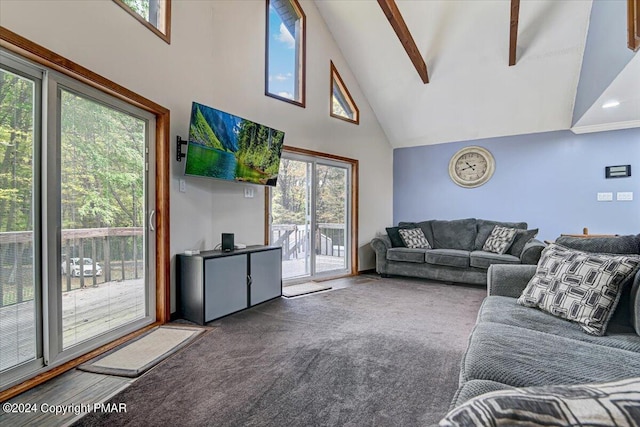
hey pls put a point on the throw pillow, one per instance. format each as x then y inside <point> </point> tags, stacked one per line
<point>611,404</point>
<point>394,236</point>
<point>499,240</point>
<point>414,238</point>
<point>521,239</point>
<point>579,286</point>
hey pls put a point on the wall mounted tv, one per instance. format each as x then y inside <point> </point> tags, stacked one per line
<point>225,146</point>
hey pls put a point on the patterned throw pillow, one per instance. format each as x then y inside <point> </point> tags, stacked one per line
<point>608,404</point>
<point>579,286</point>
<point>414,238</point>
<point>499,240</point>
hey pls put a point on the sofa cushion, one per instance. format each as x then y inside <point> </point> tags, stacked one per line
<point>425,226</point>
<point>449,257</point>
<point>406,255</point>
<point>523,357</point>
<point>610,245</point>
<point>606,405</point>
<point>456,234</point>
<point>579,286</point>
<point>521,239</point>
<point>485,227</point>
<point>414,238</point>
<point>482,259</point>
<point>505,310</point>
<point>499,240</point>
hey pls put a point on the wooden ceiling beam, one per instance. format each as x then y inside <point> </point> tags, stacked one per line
<point>392,13</point>
<point>513,31</point>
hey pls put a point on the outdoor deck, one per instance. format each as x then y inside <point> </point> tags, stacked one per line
<point>85,313</point>
<point>298,267</point>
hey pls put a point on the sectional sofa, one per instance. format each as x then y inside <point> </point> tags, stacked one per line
<point>534,361</point>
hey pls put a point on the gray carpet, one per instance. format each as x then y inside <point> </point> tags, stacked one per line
<point>377,353</point>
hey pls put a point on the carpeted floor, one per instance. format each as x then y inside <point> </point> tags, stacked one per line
<point>383,352</point>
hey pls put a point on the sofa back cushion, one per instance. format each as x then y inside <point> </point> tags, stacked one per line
<point>628,311</point>
<point>485,227</point>
<point>456,234</point>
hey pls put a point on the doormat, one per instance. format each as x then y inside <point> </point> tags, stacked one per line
<point>135,357</point>
<point>303,289</point>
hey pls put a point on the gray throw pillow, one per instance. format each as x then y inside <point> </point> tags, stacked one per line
<point>499,240</point>
<point>579,286</point>
<point>414,238</point>
<point>609,404</point>
<point>521,239</point>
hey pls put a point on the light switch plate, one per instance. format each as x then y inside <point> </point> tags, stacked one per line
<point>605,197</point>
<point>624,196</point>
<point>183,186</point>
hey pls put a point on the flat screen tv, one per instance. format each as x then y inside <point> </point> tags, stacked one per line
<point>225,146</point>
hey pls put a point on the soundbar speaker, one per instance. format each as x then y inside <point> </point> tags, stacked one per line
<point>227,242</point>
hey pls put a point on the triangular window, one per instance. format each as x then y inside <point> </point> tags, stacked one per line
<point>342,105</point>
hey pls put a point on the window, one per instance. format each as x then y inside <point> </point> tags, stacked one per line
<point>342,105</point>
<point>285,51</point>
<point>154,14</point>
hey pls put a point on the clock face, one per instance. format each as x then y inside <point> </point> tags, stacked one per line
<point>471,167</point>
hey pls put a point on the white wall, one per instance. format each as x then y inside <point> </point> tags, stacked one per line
<point>216,57</point>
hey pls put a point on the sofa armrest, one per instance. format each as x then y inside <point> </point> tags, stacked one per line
<point>380,244</point>
<point>508,280</point>
<point>532,251</point>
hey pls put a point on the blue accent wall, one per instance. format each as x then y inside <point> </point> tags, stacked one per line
<point>606,45</point>
<point>549,180</point>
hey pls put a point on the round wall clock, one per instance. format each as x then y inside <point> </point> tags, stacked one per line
<point>471,166</point>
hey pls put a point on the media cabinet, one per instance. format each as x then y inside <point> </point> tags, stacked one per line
<point>214,284</point>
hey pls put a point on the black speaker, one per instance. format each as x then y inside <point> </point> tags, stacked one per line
<point>227,242</point>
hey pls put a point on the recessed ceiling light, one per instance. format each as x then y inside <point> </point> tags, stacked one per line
<point>610,104</point>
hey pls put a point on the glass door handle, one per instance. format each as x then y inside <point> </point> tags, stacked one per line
<point>151,215</point>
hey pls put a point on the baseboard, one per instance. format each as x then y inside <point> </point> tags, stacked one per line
<point>369,271</point>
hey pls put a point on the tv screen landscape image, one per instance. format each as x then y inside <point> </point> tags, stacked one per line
<point>225,146</point>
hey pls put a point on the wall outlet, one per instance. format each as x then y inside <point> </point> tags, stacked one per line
<point>183,186</point>
<point>624,196</point>
<point>248,192</point>
<point>605,197</point>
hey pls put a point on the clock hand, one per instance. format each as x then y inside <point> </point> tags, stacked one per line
<point>470,166</point>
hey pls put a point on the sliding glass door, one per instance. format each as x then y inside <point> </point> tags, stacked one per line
<point>76,218</point>
<point>20,297</point>
<point>310,212</point>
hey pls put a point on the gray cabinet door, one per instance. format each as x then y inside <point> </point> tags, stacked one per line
<point>225,286</point>
<point>266,275</point>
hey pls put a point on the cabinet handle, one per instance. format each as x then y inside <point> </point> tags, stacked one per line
<point>249,280</point>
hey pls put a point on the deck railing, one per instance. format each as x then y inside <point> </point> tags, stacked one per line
<point>295,242</point>
<point>119,252</point>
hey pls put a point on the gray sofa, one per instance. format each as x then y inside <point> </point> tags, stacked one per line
<point>456,254</point>
<point>515,346</point>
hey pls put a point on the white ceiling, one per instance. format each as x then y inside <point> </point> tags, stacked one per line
<point>472,93</point>
<point>625,89</point>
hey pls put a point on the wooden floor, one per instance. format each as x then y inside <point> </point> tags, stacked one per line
<point>85,313</point>
<point>74,392</point>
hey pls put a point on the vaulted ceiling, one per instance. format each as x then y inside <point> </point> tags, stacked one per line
<point>472,92</point>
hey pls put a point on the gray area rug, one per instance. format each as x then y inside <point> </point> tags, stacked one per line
<point>141,354</point>
<point>377,353</point>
